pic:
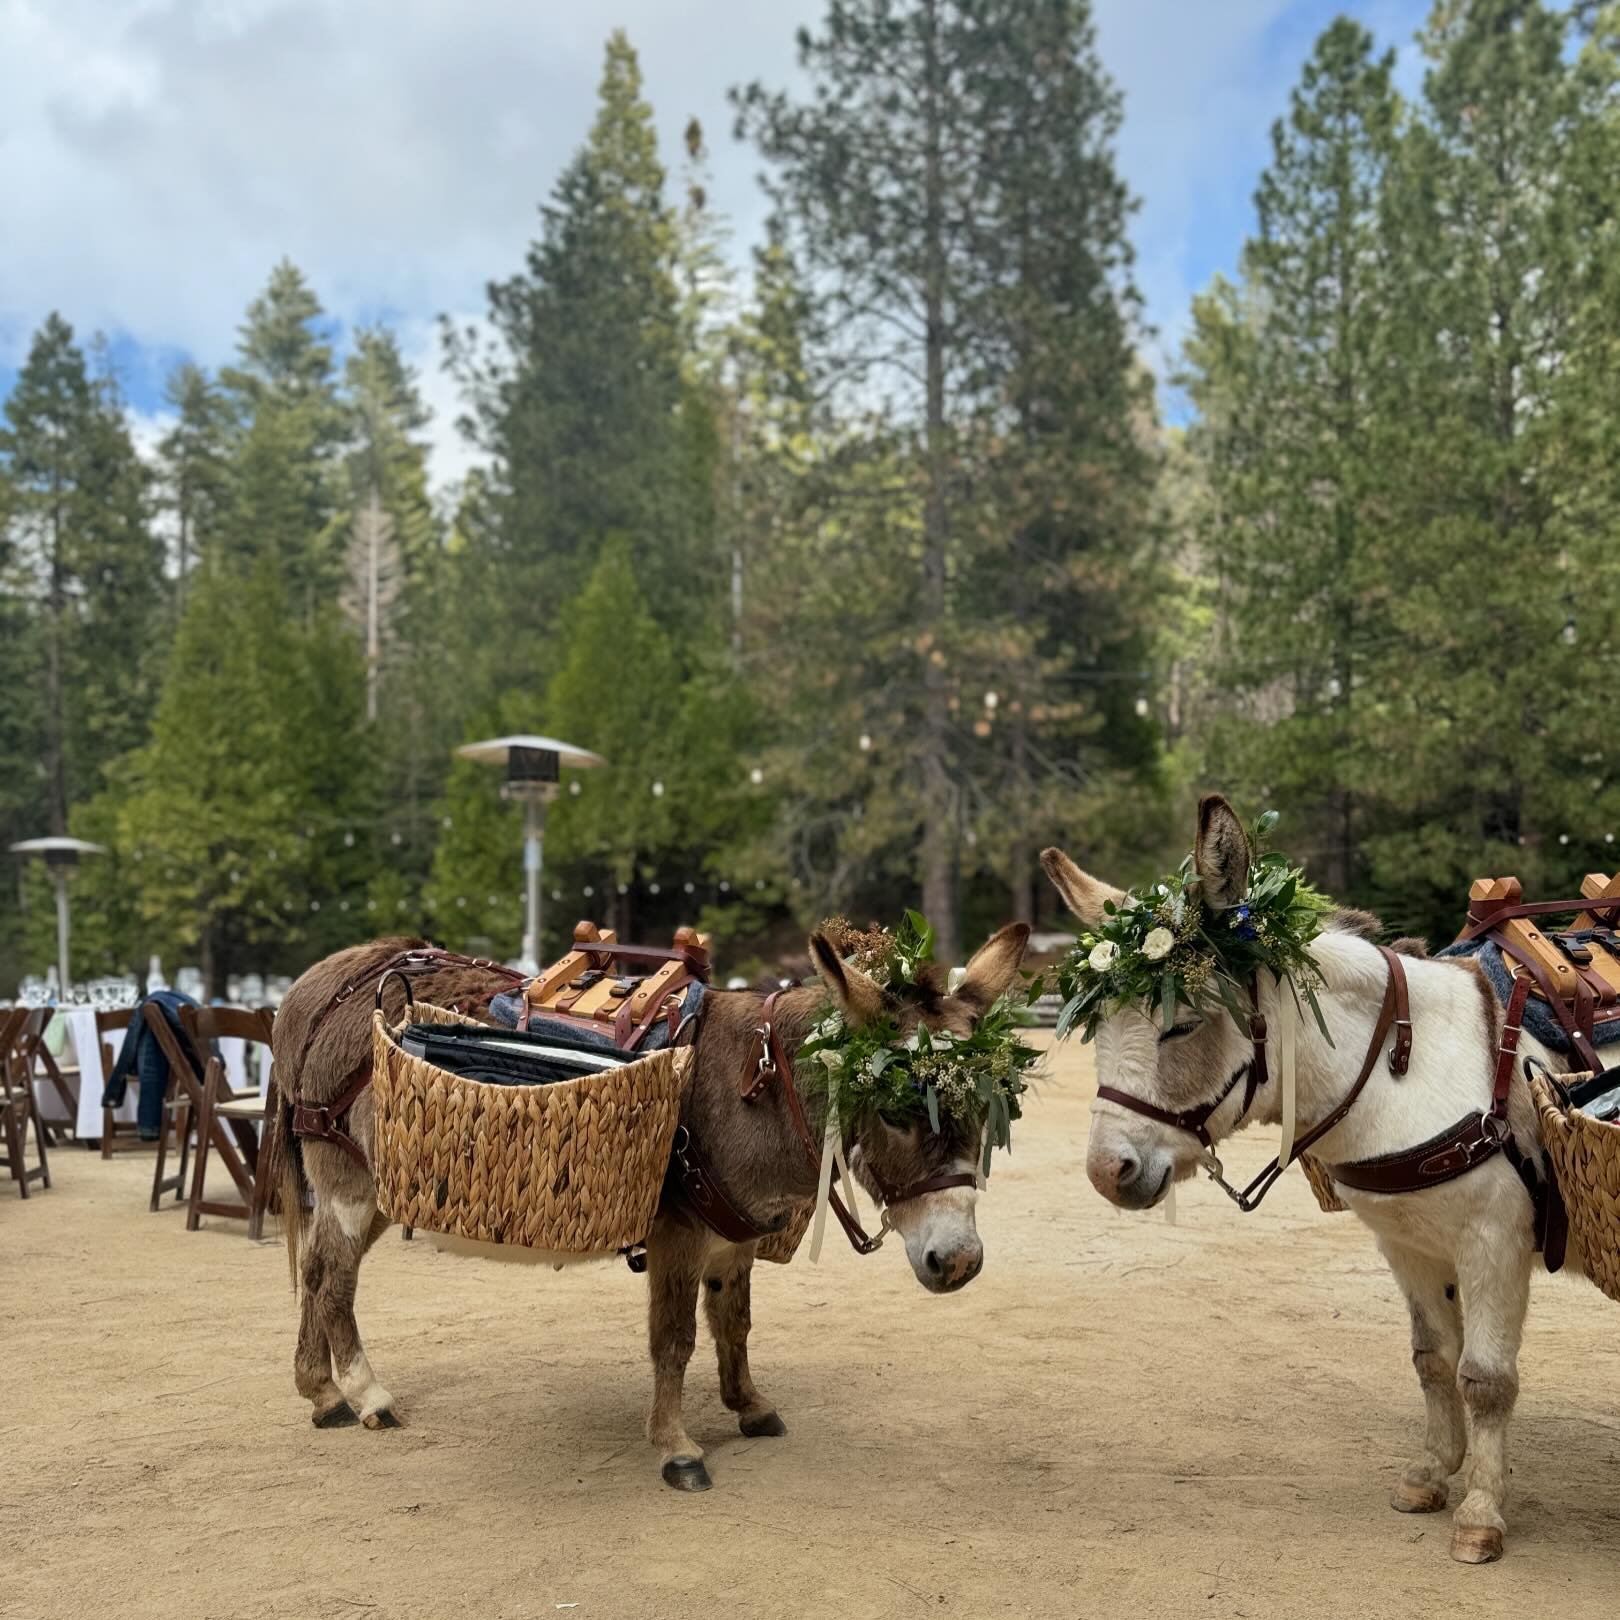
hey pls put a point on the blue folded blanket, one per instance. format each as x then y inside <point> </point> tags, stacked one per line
<point>507,1008</point>
<point>1539,1019</point>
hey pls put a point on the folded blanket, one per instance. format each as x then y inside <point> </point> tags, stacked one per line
<point>1539,1019</point>
<point>507,1008</point>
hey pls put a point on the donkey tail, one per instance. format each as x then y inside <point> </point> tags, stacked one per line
<point>294,1189</point>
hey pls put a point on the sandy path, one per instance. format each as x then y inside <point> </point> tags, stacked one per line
<point>1118,1417</point>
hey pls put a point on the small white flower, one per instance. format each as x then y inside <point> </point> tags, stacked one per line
<point>1159,944</point>
<point>1103,956</point>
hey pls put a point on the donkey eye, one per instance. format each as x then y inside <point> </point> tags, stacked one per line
<point>1176,1030</point>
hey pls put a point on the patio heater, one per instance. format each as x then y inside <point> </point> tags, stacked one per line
<point>534,767</point>
<point>61,857</point>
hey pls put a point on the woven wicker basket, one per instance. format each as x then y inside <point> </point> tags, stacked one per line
<point>780,1247</point>
<point>1322,1185</point>
<point>575,1167</point>
<point>1585,1155</point>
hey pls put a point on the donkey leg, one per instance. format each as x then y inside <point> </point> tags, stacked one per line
<point>1493,1271</point>
<point>343,1230</point>
<point>1431,1298</point>
<point>674,1265</point>
<point>312,1360</point>
<point>726,1290</point>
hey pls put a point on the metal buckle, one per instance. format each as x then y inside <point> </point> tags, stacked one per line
<point>767,1064</point>
<point>1494,1127</point>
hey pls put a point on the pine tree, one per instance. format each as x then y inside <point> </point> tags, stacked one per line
<point>194,457</point>
<point>1293,381</point>
<point>291,428</point>
<point>81,550</point>
<point>390,515</point>
<point>583,408</point>
<point>951,190</point>
<point>246,829</point>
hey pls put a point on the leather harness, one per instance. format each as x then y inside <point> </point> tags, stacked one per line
<point>1473,1140</point>
<point>325,1121</point>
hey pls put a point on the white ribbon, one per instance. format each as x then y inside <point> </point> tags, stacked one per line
<point>832,1148</point>
<point>1287,1041</point>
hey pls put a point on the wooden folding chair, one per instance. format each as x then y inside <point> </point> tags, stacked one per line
<point>117,1135</point>
<point>241,1114</point>
<point>19,1106</point>
<point>182,1105</point>
<point>39,1057</point>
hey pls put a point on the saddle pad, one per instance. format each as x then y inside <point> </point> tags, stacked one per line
<point>504,1059</point>
<point>1539,1019</point>
<point>507,1007</point>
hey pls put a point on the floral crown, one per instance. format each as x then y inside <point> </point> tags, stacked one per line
<point>1164,945</point>
<point>975,1081</point>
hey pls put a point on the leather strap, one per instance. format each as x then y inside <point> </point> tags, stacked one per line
<point>323,1121</point>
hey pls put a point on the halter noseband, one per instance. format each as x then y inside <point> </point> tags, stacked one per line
<point>1393,1013</point>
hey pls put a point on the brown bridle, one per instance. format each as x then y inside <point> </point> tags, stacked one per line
<point>1395,1012</point>
<point>767,1062</point>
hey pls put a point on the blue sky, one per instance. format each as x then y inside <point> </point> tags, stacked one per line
<point>157,156</point>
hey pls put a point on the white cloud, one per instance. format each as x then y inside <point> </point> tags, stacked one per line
<point>157,156</point>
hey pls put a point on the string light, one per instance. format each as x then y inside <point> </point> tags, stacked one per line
<point>589,891</point>
<point>448,823</point>
<point>624,888</point>
<point>556,894</point>
<point>1563,838</point>
<point>314,905</point>
<point>866,743</point>
<point>395,840</point>
<point>348,840</point>
<point>658,790</point>
<point>991,699</point>
<point>1142,707</point>
<point>756,776</point>
<point>691,888</point>
<point>725,888</point>
<point>652,888</point>
<point>573,787</point>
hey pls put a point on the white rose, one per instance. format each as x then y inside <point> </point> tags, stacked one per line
<point>1103,956</point>
<point>1159,944</point>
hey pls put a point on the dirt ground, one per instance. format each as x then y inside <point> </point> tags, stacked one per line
<point>1118,1417</point>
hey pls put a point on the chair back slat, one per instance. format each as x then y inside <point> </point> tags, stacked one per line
<point>228,1023</point>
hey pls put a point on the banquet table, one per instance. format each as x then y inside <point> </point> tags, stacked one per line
<point>92,1079</point>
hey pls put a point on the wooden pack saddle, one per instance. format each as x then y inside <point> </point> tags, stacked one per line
<point>1573,965</point>
<point>617,990</point>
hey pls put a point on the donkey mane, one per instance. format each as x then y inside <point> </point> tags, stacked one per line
<point>1364,925</point>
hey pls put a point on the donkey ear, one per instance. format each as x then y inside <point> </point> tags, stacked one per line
<point>1221,853</point>
<point>1083,895</point>
<point>857,996</point>
<point>993,967</point>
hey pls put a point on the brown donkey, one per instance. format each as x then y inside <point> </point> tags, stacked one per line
<point>751,1148</point>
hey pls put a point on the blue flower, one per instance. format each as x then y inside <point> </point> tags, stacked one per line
<point>1248,931</point>
<point>1240,914</point>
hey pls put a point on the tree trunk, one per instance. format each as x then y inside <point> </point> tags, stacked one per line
<point>939,823</point>
<point>1020,864</point>
<point>55,698</point>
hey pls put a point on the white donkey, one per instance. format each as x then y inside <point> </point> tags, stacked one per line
<point>1461,1251</point>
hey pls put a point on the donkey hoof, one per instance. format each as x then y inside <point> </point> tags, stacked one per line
<point>1476,1544</point>
<point>766,1426</point>
<point>687,1474</point>
<point>383,1418</point>
<point>1419,1496</point>
<point>340,1416</point>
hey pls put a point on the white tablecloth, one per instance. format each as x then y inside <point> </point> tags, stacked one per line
<point>86,1051</point>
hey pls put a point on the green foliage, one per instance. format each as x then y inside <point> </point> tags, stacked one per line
<point>1164,948</point>
<point>976,1080</point>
